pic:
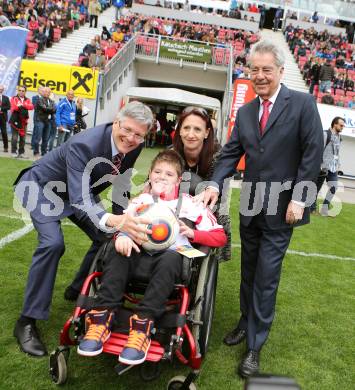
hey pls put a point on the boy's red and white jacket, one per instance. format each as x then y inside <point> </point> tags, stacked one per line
<point>207,231</point>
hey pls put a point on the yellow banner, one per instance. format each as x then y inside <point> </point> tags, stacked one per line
<point>59,78</point>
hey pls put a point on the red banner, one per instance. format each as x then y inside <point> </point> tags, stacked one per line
<point>243,93</point>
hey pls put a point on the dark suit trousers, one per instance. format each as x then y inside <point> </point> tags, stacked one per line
<point>45,260</point>
<point>5,140</point>
<point>262,253</point>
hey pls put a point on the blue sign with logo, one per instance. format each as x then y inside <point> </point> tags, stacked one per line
<point>12,48</point>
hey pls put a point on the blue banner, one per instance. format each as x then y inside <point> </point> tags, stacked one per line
<point>12,48</point>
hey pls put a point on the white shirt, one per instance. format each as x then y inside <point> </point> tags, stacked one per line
<point>272,99</point>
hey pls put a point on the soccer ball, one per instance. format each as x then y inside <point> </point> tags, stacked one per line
<point>164,226</point>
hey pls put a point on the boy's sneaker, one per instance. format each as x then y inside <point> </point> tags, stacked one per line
<point>98,324</point>
<point>136,349</point>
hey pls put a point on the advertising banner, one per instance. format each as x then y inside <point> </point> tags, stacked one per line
<point>243,93</point>
<point>189,51</point>
<point>12,48</point>
<point>328,113</point>
<point>59,78</point>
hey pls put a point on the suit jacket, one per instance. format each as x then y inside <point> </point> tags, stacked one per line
<point>44,108</point>
<point>77,193</point>
<point>288,152</point>
<point>4,106</point>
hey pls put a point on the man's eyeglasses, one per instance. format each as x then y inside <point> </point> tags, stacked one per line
<point>130,133</point>
<point>190,109</point>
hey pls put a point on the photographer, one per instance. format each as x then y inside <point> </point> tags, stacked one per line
<point>330,164</point>
<point>81,112</point>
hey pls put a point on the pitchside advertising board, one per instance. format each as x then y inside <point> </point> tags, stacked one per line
<point>242,93</point>
<point>59,78</point>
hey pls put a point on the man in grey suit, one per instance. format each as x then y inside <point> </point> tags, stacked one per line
<point>66,183</point>
<point>280,133</point>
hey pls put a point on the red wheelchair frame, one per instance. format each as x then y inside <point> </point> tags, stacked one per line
<point>186,321</point>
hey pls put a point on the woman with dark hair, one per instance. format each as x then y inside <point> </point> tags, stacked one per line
<point>194,140</point>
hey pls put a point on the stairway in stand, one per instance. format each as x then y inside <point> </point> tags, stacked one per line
<point>292,76</point>
<point>67,50</point>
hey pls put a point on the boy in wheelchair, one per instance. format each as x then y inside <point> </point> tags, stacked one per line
<point>164,267</point>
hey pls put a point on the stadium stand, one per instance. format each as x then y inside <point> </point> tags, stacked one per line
<point>311,50</point>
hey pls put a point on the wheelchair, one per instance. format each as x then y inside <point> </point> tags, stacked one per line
<point>182,333</point>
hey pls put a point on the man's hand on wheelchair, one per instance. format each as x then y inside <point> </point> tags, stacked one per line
<point>209,197</point>
<point>124,245</point>
<point>135,227</point>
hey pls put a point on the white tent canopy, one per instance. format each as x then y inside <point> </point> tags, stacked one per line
<point>173,96</point>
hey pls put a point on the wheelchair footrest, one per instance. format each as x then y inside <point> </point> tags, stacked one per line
<point>114,345</point>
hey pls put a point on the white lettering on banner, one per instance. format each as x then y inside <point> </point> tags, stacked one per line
<point>12,68</point>
<point>239,100</point>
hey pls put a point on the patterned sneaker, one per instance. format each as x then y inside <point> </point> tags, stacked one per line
<point>136,349</point>
<point>98,325</point>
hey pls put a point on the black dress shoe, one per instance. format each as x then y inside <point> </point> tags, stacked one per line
<point>71,294</point>
<point>250,364</point>
<point>28,339</point>
<point>235,337</point>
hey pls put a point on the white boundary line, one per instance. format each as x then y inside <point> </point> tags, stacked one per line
<point>15,235</point>
<point>26,229</point>
<point>305,254</point>
<point>20,232</point>
<point>66,223</point>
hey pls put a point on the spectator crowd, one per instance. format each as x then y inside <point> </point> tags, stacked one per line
<point>327,63</point>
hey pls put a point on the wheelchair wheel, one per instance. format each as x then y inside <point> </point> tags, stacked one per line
<point>58,365</point>
<point>97,266</point>
<point>206,288</point>
<point>177,382</point>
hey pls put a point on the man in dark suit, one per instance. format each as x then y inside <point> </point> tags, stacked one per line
<point>280,133</point>
<point>45,109</point>
<point>4,107</point>
<point>66,183</point>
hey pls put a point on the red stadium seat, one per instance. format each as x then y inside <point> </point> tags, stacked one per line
<point>219,56</point>
<point>339,92</point>
<point>82,19</point>
<point>227,57</point>
<point>71,24</point>
<point>32,48</point>
<point>104,44</point>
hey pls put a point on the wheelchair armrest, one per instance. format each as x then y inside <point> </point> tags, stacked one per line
<point>188,264</point>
